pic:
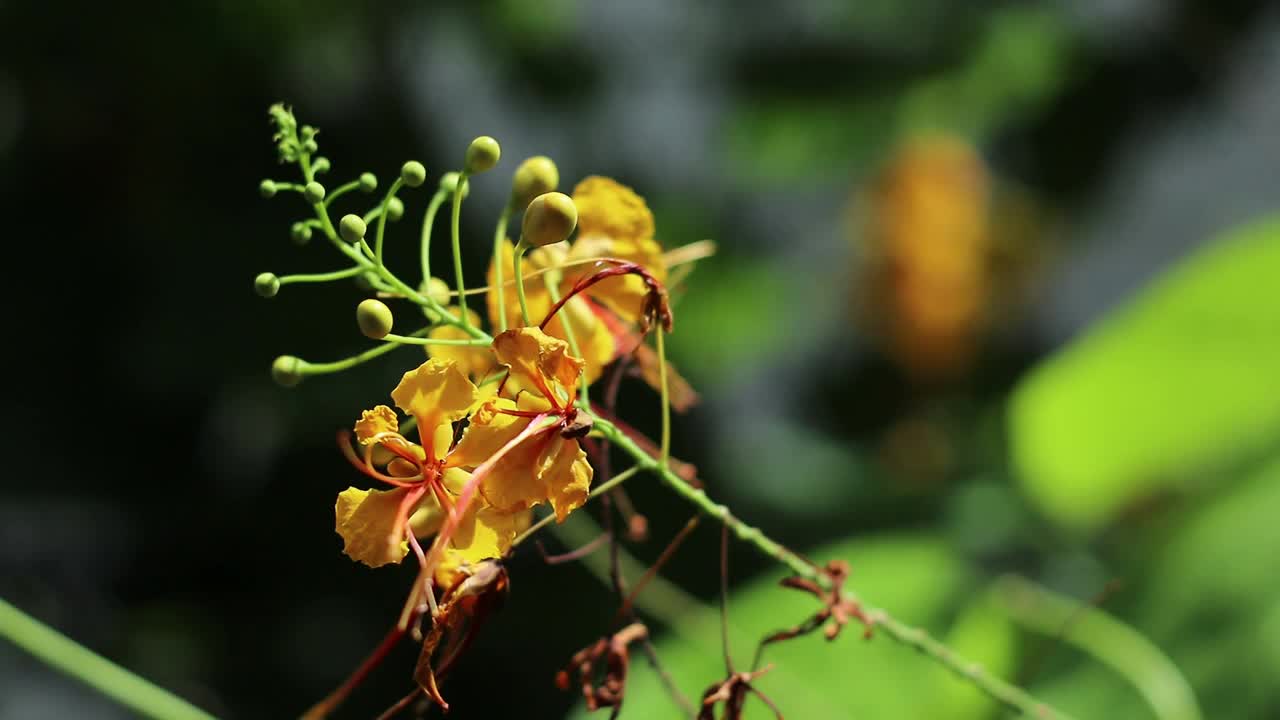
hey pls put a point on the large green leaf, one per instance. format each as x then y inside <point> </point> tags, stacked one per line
<point>916,577</point>
<point>1184,376</point>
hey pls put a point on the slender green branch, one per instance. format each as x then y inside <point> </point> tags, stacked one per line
<point>499,235</point>
<point>524,306</point>
<point>322,277</point>
<point>308,369</point>
<point>408,340</point>
<point>339,191</point>
<point>382,221</point>
<point>605,487</point>
<point>665,452</point>
<point>428,222</point>
<point>64,654</point>
<point>1112,642</point>
<point>1011,695</point>
<point>456,237</point>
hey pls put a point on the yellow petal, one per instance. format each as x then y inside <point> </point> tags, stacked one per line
<point>366,520</point>
<point>474,361</point>
<point>372,423</point>
<point>435,393</point>
<point>485,534</point>
<point>607,207</point>
<point>565,474</point>
<point>538,360</point>
<point>487,433</point>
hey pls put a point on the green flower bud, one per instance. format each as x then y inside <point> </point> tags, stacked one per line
<point>266,285</point>
<point>351,228</point>
<point>300,232</point>
<point>413,174</point>
<point>313,192</point>
<point>374,318</point>
<point>549,219</point>
<point>449,184</point>
<point>267,188</point>
<point>437,290</point>
<point>535,176</point>
<point>482,154</point>
<point>368,182</point>
<point>320,165</point>
<point>286,371</point>
<point>395,209</point>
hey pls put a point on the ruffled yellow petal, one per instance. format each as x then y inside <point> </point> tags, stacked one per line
<point>372,423</point>
<point>487,433</point>
<point>563,469</point>
<point>607,207</point>
<point>435,393</point>
<point>482,535</point>
<point>366,520</point>
<point>473,361</point>
<point>538,360</point>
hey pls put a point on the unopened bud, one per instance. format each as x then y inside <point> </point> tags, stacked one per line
<point>266,285</point>
<point>374,318</point>
<point>482,155</point>
<point>351,228</point>
<point>449,183</point>
<point>286,371</point>
<point>368,182</point>
<point>320,165</point>
<point>300,232</point>
<point>549,219</point>
<point>413,174</point>
<point>437,290</point>
<point>395,209</point>
<point>313,192</point>
<point>535,176</point>
<point>267,188</point>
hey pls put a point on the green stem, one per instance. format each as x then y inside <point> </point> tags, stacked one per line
<point>600,490</point>
<point>308,369</point>
<point>382,222</point>
<point>551,280</point>
<point>456,236</point>
<point>665,452</point>
<point>408,340</point>
<point>500,234</point>
<point>429,221</point>
<point>322,277</point>
<point>916,638</point>
<point>340,191</point>
<point>77,661</point>
<point>524,306</point>
<point>1112,642</point>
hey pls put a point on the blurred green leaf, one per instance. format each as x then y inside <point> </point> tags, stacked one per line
<point>915,576</point>
<point>1183,376</point>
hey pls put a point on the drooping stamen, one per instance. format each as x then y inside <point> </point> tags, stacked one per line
<point>366,467</point>
<point>619,267</point>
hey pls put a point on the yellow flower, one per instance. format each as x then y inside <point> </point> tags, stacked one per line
<point>537,462</point>
<point>379,526</point>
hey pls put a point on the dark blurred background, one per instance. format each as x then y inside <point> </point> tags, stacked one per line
<point>981,305</point>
